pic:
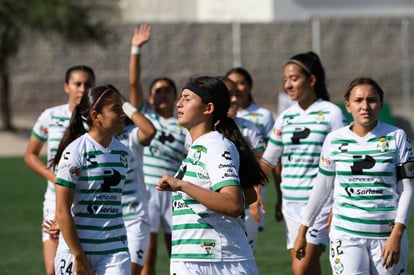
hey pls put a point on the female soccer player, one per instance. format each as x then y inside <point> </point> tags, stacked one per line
<point>296,142</point>
<point>208,234</point>
<point>49,129</point>
<point>91,171</point>
<point>369,166</point>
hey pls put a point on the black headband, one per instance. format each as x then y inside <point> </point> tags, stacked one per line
<point>198,90</point>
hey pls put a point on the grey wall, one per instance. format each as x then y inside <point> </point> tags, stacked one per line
<point>349,48</point>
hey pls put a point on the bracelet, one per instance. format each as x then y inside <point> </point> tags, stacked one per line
<point>128,109</point>
<point>135,50</point>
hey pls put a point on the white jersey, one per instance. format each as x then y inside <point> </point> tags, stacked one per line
<point>98,176</point>
<point>262,117</point>
<point>134,195</point>
<point>200,234</point>
<point>366,192</point>
<point>251,133</point>
<point>166,150</point>
<point>297,138</point>
<point>49,128</point>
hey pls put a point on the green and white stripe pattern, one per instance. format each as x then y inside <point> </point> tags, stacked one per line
<point>98,176</point>
<point>366,192</point>
<point>166,151</point>
<point>297,138</point>
<point>198,233</point>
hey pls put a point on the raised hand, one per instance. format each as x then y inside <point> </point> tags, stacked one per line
<point>141,35</point>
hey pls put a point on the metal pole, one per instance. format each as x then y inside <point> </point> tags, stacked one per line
<point>405,62</point>
<point>236,36</point>
<point>316,36</point>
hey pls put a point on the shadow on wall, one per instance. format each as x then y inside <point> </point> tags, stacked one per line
<point>387,117</point>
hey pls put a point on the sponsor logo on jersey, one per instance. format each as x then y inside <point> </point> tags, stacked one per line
<point>43,129</point>
<point>325,161</point>
<point>111,178</point>
<point>226,155</point>
<point>100,209</point>
<point>178,204</point>
<point>343,147</point>
<point>361,163</point>
<point>363,191</point>
<point>278,132</point>
<point>300,134</point>
<point>74,171</point>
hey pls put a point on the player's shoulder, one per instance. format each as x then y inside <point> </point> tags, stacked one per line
<point>63,108</point>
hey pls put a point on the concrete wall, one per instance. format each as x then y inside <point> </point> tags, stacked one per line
<point>348,48</point>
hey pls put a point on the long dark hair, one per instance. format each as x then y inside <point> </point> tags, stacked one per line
<point>215,91</point>
<point>94,99</point>
<point>310,64</point>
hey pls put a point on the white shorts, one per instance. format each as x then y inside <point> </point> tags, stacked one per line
<point>49,211</point>
<point>112,264</point>
<point>363,256</point>
<point>247,267</point>
<point>318,234</point>
<point>159,210</point>
<point>138,239</point>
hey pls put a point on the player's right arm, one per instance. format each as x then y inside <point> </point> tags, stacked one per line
<point>32,159</point>
<point>64,200</point>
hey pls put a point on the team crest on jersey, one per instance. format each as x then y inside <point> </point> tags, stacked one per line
<point>197,155</point>
<point>320,117</point>
<point>208,246</point>
<point>338,266</point>
<point>382,145</point>
<point>74,171</point>
<point>123,159</point>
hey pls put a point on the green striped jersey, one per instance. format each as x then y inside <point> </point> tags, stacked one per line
<point>260,116</point>
<point>134,195</point>
<point>98,176</point>
<point>49,128</point>
<point>366,192</point>
<point>166,150</point>
<point>198,233</point>
<point>297,138</point>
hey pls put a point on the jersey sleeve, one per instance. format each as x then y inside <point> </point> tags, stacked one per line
<point>326,162</point>
<point>222,166</point>
<point>270,121</point>
<point>40,129</point>
<point>274,146</point>
<point>69,168</point>
<point>405,152</point>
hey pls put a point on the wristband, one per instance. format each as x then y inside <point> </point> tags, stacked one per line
<point>135,50</point>
<point>128,109</point>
